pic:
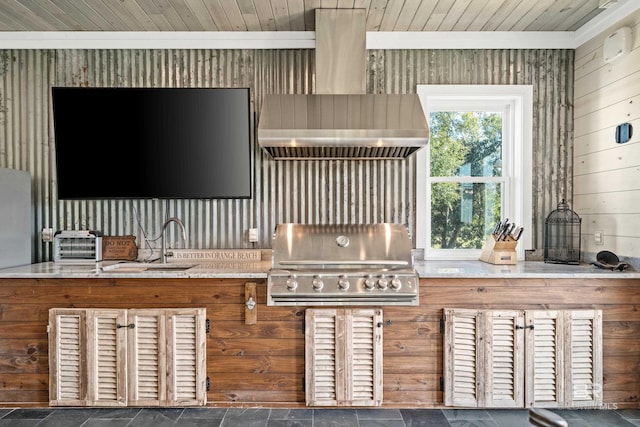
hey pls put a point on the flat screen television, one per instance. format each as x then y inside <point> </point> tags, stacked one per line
<point>184,143</point>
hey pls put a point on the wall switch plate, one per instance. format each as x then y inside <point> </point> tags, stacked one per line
<point>253,235</point>
<point>598,237</point>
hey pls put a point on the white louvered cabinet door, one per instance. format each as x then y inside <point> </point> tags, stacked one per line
<point>583,358</point>
<point>504,364</point>
<point>343,357</point>
<point>146,358</point>
<point>67,367</point>
<point>106,357</point>
<point>321,357</point>
<point>363,357</point>
<point>463,357</point>
<point>186,357</point>
<point>545,359</point>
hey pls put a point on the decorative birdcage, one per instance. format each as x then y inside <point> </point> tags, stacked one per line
<point>562,230</point>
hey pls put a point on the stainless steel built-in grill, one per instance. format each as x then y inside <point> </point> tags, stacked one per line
<point>342,265</point>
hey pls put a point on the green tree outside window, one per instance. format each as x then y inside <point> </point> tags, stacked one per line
<point>465,147</point>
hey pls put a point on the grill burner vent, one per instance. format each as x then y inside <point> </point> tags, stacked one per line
<point>344,153</point>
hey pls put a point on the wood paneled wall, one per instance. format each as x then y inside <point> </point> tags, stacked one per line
<point>606,174</point>
<point>263,364</point>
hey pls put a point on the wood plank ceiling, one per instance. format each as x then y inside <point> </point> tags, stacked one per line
<point>293,15</point>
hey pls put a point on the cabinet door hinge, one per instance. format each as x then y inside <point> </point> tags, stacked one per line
<point>442,326</point>
<point>441,384</point>
<point>207,326</point>
<point>208,384</point>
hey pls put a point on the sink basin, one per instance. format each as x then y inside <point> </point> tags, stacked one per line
<point>169,268</point>
<point>137,267</point>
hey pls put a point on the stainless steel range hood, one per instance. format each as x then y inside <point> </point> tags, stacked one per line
<point>341,121</point>
<point>342,126</point>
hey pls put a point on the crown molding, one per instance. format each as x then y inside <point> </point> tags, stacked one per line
<point>471,40</point>
<point>157,40</point>
<point>279,40</point>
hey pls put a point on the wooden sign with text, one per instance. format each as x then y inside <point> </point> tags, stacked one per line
<point>119,248</point>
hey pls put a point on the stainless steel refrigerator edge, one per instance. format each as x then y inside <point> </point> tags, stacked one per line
<point>15,218</point>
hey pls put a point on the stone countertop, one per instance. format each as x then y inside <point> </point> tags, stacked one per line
<point>259,269</point>
<point>521,270</point>
<point>98,270</point>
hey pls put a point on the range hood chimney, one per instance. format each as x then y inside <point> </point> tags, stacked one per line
<point>340,121</point>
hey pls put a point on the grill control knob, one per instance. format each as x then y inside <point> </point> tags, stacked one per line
<point>343,283</point>
<point>396,283</point>
<point>369,283</point>
<point>382,283</point>
<point>342,241</point>
<point>317,284</point>
<point>292,283</point>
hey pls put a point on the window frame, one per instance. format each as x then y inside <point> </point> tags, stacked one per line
<point>516,165</point>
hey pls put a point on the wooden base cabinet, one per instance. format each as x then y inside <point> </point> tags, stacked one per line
<point>523,358</point>
<point>343,357</point>
<point>104,357</point>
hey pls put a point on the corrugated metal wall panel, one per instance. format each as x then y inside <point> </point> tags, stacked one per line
<point>319,191</point>
<point>25,123</point>
<point>339,191</point>
<point>209,223</point>
<point>550,72</point>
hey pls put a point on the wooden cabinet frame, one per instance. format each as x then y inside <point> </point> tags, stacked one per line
<point>523,358</point>
<point>105,357</point>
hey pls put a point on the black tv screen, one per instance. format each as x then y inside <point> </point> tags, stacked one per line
<point>152,142</point>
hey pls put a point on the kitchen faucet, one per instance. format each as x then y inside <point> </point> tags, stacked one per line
<point>164,227</point>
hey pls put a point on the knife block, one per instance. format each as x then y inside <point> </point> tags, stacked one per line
<point>499,252</point>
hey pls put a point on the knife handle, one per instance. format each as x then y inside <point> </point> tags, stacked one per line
<point>497,228</point>
<point>519,234</point>
<point>502,233</point>
<point>507,232</point>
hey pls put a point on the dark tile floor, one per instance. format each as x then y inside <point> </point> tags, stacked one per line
<point>69,417</point>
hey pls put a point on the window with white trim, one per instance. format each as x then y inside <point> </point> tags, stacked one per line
<point>476,170</point>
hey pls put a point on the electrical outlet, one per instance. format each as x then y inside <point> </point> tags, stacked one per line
<point>253,235</point>
<point>598,237</point>
<point>47,234</point>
